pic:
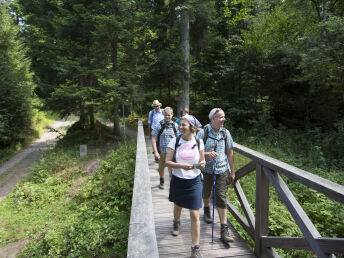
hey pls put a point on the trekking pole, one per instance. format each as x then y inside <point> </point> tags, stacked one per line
<point>212,226</point>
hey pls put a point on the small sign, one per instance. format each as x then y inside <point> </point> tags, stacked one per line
<point>83,150</point>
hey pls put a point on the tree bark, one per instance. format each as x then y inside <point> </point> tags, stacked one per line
<point>184,91</point>
<point>116,126</point>
<point>91,116</point>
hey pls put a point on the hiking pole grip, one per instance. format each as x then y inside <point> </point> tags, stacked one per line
<point>214,180</point>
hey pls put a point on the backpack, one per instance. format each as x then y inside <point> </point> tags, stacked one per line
<point>152,113</point>
<point>177,145</point>
<point>163,126</point>
<point>206,136</point>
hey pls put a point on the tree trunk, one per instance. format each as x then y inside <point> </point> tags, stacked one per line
<point>83,115</point>
<point>116,126</point>
<point>184,100</point>
<point>91,116</point>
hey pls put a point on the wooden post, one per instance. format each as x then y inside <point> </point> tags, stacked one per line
<point>262,210</point>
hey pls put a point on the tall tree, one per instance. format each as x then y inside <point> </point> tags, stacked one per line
<point>184,91</point>
<point>16,83</point>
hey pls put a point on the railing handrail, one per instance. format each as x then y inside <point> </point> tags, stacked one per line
<point>322,185</point>
<point>142,238</point>
<point>256,225</point>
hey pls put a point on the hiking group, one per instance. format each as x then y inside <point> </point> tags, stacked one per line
<point>199,161</point>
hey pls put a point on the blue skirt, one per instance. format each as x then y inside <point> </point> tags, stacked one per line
<point>186,193</point>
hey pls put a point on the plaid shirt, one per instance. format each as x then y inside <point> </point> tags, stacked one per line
<point>217,145</point>
<point>166,135</point>
<point>155,118</point>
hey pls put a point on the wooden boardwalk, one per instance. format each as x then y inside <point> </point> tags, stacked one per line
<point>180,246</point>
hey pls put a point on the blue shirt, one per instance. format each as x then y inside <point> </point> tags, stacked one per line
<point>165,136</point>
<point>215,142</point>
<point>157,117</point>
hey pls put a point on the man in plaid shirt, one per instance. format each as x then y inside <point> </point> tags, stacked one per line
<point>160,142</point>
<point>218,145</point>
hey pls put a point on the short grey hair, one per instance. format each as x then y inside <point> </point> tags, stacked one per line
<point>213,112</point>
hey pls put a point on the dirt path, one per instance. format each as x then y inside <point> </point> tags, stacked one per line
<point>18,167</point>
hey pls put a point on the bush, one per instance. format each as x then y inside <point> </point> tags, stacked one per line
<point>96,221</point>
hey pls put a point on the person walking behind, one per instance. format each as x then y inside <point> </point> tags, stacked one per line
<point>185,155</point>
<point>218,145</point>
<point>162,133</point>
<point>185,111</point>
<point>154,116</point>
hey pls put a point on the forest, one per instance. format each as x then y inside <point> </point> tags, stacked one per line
<point>268,64</point>
<point>276,67</point>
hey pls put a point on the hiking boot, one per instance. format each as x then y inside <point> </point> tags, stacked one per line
<point>196,252</point>
<point>225,234</point>
<point>207,216</point>
<point>176,227</point>
<point>162,182</point>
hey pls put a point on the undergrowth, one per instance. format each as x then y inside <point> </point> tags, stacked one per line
<point>62,218</point>
<point>297,150</point>
<point>40,121</point>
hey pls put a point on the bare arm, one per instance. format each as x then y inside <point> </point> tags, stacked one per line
<point>230,157</point>
<point>171,164</point>
<point>201,159</point>
<point>149,129</point>
<point>155,149</point>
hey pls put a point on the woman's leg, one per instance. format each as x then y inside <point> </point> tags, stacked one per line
<point>195,226</point>
<point>177,211</point>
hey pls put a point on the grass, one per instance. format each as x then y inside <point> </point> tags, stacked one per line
<point>327,215</point>
<point>65,212</point>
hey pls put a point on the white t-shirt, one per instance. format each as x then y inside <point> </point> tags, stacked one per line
<point>187,153</point>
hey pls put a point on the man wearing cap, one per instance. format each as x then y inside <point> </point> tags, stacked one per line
<point>154,116</point>
<point>218,145</point>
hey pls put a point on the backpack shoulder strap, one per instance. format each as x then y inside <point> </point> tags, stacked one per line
<point>176,145</point>
<point>174,129</point>
<point>206,134</point>
<point>224,136</point>
<point>151,116</point>
<point>163,125</point>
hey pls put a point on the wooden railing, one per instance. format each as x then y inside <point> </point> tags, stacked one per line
<point>268,171</point>
<point>142,239</point>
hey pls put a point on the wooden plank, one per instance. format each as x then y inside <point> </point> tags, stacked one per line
<point>248,168</point>
<point>244,204</point>
<point>329,245</point>
<point>142,239</point>
<point>239,218</point>
<point>300,217</point>
<point>262,210</point>
<point>322,185</point>
<point>180,246</point>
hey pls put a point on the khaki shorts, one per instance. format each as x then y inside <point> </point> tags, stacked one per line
<point>162,160</point>
<point>221,186</point>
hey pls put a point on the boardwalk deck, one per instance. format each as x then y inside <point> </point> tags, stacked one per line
<point>180,246</point>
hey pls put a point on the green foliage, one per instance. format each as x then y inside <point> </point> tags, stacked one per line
<point>303,151</point>
<point>66,213</point>
<point>40,121</point>
<point>16,82</point>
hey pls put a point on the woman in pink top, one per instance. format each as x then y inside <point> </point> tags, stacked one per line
<point>185,155</point>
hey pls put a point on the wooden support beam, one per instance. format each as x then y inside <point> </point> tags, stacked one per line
<point>248,168</point>
<point>300,217</point>
<point>241,219</point>
<point>244,204</point>
<point>262,210</point>
<point>329,245</point>
<point>322,185</point>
